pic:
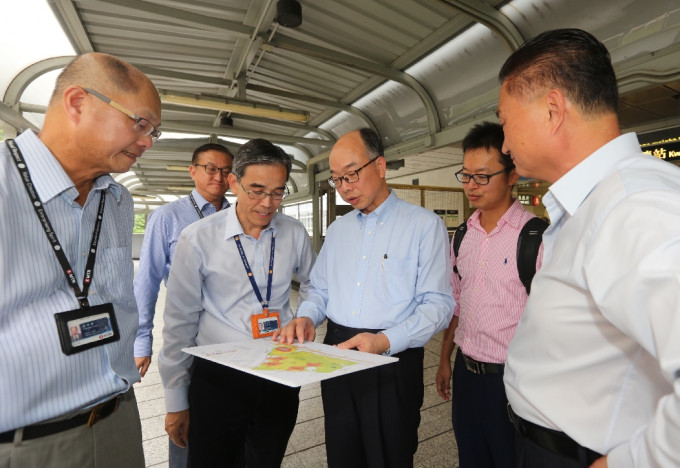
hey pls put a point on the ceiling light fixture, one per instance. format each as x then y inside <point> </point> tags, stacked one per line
<point>175,167</point>
<point>235,106</point>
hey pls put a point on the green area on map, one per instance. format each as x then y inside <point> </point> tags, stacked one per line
<point>289,358</point>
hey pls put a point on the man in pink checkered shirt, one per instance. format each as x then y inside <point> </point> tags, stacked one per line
<point>490,299</point>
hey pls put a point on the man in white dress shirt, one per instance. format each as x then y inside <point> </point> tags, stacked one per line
<point>592,371</point>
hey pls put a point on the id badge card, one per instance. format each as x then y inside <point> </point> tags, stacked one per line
<point>82,329</point>
<point>265,324</point>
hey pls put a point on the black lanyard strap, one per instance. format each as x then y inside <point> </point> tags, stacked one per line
<point>198,210</point>
<point>81,295</point>
<point>246,265</point>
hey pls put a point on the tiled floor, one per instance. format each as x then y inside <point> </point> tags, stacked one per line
<point>306,448</point>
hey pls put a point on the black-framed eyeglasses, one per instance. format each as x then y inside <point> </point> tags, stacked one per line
<point>211,169</point>
<point>480,179</point>
<point>261,195</point>
<point>350,176</point>
<point>142,126</point>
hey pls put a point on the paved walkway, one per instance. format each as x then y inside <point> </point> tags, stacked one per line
<point>306,448</point>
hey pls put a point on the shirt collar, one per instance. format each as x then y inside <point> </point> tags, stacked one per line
<point>233,226</point>
<point>382,211</point>
<point>512,216</point>
<point>201,202</point>
<point>48,176</point>
<point>571,190</point>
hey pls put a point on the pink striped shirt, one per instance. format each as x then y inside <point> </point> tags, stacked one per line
<point>490,297</point>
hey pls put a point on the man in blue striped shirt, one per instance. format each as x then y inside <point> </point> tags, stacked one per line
<point>210,166</point>
<point>70,403</point>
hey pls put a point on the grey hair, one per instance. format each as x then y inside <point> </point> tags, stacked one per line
<point>259,151</point>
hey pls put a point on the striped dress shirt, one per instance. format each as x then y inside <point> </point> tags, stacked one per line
<point>163,228</point>
<point>37,380</point>
<point>490,297</point>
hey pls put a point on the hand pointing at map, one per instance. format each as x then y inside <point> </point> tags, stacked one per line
<point>302,328</point>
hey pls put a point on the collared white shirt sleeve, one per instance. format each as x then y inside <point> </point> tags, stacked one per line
<point>596,354</point>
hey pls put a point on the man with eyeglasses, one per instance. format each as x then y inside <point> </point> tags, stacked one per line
<point>490,298</point>
<point>66,262</point>
<point>210,165</point>
<point>230,280</point>
<point>382,280</point>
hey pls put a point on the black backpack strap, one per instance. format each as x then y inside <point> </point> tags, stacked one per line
<point>528,244</point>
<point>457,240</point>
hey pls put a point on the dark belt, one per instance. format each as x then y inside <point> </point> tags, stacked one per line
<point>90,418</point>
<point>554,441</point>
<point>478,367</point>
<point>336,333</point>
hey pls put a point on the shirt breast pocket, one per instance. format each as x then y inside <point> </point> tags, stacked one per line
<point>397,280</point>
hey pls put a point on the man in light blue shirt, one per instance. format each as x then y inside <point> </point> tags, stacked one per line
<point>65,402</point>
<point>382,279</point>
<point>210,166</point>
<point>229,268</point>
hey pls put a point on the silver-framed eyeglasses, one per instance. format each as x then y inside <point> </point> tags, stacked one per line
<point>142,126</point>
<point>211,169</point>
<point>480,179</point>
<point>350,176</point>
<point>261,194</point>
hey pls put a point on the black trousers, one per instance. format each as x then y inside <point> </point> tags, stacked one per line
<point>531,455</point>
<point>372,416</point>
<point>237,419</point>
<point>479,413</point>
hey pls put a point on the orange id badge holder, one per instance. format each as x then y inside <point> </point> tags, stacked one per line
<point>265,324</point>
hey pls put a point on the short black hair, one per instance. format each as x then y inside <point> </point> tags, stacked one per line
<point>571,60</point>
<point>260,151</point>
<point>372,142</point>
<point>488,135</point>
<point>210,147</point>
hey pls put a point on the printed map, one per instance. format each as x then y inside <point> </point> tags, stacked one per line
<point>292,365</point>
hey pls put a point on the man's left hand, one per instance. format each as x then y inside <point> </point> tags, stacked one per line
<point>376,343</point>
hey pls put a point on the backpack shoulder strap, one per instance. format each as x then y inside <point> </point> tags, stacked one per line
<point>528,244</point>
<point>457,240</point>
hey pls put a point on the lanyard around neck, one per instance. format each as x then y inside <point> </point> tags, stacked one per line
<point>81,295</point>
<point>198,210</point>
<point>246,265</point>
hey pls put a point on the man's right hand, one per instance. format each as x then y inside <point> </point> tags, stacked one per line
<point>443,380</point>
<point>301,328</point>
<point>177,427</point>
<point>142,364</point>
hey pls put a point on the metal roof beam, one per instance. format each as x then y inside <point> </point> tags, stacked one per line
<point>351,61</point>
<point>489,17</point>
<point>16,120</point>
<point>26,76</point>
<point>67,14</point>
<point>246,134</point>
<point>180,16</point>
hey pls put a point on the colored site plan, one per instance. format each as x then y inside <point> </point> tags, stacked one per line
<point>289,358</point>
<point>293,365</point>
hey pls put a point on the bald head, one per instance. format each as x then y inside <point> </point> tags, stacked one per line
<point>103,72</point>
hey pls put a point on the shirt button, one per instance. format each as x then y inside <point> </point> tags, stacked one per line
<point>364,257</point>
<point>354,312</point>
<point>369,233</point>
<point>359,283</point>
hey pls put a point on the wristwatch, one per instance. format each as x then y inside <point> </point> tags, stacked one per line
<point>388,351</point>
